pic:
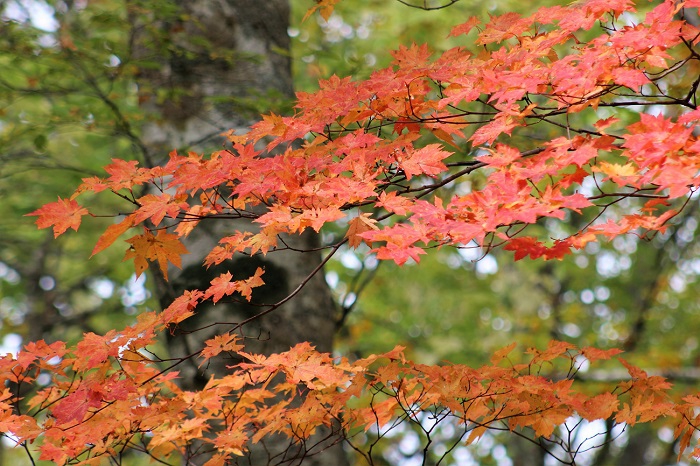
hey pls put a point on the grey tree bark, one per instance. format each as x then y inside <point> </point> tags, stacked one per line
<point>214,57</point>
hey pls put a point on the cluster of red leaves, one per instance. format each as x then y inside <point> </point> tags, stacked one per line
<point>355,162</point>
<point>391,147</point>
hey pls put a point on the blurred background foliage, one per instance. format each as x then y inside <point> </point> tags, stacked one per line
<point>69,103</point>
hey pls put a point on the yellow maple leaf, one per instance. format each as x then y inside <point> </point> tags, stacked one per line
<point>326,7</point>
<point>614,170</point>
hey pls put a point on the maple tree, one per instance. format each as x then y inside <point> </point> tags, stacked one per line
<point>380,155</point>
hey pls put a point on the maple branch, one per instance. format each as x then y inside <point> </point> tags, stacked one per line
<point>652,291</point>
<point>355,287</point>
<point>122,123</point>
<point>545,118</point>
<point>25,447</point>
<point>287,247</point>
<point>680,375</point>
<point>296,290</point>
<point>397,174</point>
<point>691,93</point>
<point>636,103</point>
<point>471,166</point>
<point>43,91</point>
<point>130,200</point>
<point>239,325</point>
<point>637,193</point>
<point>425,6</point>
<point>47,161</point>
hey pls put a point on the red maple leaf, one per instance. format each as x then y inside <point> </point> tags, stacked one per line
<point>464,28</point>
<point>526,246</point>
<point>630,77</point>
<point>425,161</point>
<point>93,350</point>
<point>501,156</point>
<point>488,133</point>
<point>62,214</point>
<point>394,203</point>
<point>73,407</point>
<point>399,254</point>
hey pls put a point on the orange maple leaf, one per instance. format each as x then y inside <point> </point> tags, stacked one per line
<point>263,241</point>
<point>393,203</point>
<point>51,452</point>
<point>595,354</point>
<point>501,156</point>
<point>358,225</point>
<point>245,287</point>
<point>502,353</point>
<point>125,174</point>
<point>181,308</point>
<point>163,247</point>
<point>156,207</point>
<point>112,233</point>
<point>224,286</point>
<point>93,350</point>
<point>326,7</point>
<point>191,218</point>
<point>221,286</point>
<point>219,344</point>
<point>62,214</point>
<point>601,406</point>
<point>464,28</point>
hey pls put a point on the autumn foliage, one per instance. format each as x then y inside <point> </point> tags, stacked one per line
<point>382,156</point>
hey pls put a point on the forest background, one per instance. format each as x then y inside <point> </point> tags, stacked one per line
<point>456,305</point>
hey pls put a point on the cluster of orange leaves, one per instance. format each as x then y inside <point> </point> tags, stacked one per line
<point>105,395</point>
<point>388,147</point>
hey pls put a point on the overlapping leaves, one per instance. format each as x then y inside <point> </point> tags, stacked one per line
<point>373,147</point>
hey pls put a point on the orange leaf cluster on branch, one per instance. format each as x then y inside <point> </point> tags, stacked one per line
<point>122,400</point>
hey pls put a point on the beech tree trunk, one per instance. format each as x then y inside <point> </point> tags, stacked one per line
<point>213,58</point>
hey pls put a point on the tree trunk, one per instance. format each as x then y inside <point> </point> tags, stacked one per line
<point>210,60</point>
